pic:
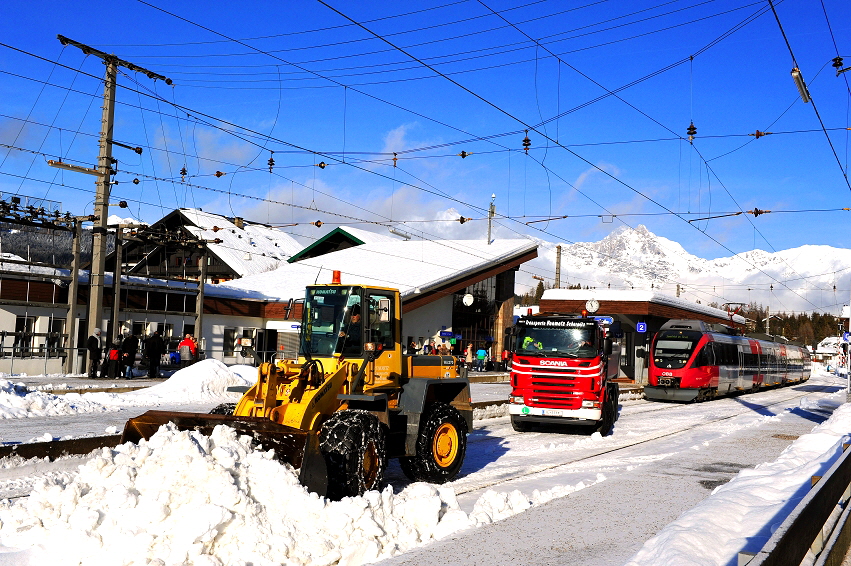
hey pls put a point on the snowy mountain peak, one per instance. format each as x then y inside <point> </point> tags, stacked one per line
<point>628,242</point>
<point>636,258</point>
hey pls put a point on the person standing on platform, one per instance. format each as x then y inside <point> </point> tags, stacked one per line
<point>94,348</point>
<point>154,348</point>
<point>188,350</point>
<point>128,354</point>
<point>481,357</point>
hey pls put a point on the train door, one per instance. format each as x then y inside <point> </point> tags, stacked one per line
<point>740,367</point>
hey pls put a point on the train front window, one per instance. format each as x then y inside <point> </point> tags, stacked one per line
<point>673,348</point>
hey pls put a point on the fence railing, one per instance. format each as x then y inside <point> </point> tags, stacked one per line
<point>818,524</point>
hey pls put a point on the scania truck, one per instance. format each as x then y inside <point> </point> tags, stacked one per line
<point>562,368</point>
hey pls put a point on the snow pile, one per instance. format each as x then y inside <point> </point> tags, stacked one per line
<point>203,381</point>
<point>184,498</point>
<point>743,513</point>
<point>16,402</point>
<point>490,411</point>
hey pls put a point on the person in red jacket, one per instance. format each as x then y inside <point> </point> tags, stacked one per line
<point>188,350</point>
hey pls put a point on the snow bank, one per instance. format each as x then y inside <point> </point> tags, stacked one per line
<point>184,498</point>
<point>206,381</point>
<point>743,513</point>
<point>201,382</point>
<point>16,402</point>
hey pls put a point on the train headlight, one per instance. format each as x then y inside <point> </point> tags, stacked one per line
<point>590,404</point>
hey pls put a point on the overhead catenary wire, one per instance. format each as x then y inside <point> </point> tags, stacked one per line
<point>519,120</point>
<point>815,108</point>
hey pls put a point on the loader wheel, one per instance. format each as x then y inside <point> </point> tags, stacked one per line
<point>224,409</point>
<point>354,446</point>
<point>441,445</point>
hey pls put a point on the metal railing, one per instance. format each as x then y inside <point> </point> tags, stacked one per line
<point>818,524</point>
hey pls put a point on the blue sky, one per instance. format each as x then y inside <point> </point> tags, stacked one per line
<point>624,155</point>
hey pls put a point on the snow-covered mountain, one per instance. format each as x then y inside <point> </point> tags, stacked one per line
<point>799,279</point>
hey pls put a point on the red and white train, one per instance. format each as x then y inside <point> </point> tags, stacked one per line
<point>694,360</point>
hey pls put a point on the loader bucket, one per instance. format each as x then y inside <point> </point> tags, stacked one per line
<point>299,448</point>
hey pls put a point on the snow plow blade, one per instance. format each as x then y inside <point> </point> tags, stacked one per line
<point>296,447</point>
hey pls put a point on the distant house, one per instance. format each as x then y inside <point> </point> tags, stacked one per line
<point>246,248</point>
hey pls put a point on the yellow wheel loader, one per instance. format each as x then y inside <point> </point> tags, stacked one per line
<point>350,401</point>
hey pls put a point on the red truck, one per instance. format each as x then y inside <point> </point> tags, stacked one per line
<point>562,369</point>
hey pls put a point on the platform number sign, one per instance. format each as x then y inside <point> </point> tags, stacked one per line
<point>846,336</point>
<point>641,327</point>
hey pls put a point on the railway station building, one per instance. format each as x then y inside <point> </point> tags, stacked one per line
<point>641,313</point>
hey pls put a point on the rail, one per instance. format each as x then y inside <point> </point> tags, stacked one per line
<point>818,524</point>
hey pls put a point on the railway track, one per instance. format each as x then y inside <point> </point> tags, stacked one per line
<point>603,452</point>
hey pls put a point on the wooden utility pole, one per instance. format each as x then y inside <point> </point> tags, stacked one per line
<point>116,283</point>
<point>72,298</point>
<point>199,299</point>
<point>104,173</point>
<point>558,267</point>
<point>491,212</point>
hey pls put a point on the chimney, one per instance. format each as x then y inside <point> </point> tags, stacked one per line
<point>237,221</point>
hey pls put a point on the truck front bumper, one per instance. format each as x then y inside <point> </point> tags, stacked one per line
<point>539,414</point>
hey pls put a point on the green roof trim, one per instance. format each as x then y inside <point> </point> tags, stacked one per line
<point>336,231</point>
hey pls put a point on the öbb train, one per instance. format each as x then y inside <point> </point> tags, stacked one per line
<point>691,360</point>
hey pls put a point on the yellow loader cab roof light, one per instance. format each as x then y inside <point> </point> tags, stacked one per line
<point>335,277</point>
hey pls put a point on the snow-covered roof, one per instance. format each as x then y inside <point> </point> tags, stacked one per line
<point>337,239</point>
<point>414,266</point>
<point>367,236</point>
<point>829,345</point>
<point>249,250</point>
<point>636,295</point>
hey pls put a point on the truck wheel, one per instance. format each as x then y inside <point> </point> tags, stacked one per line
<point>441,445</point>
<point>354,447</point>
<point>615,393</point>
<point>224,409</point>
<point>520,426</point>
<point>607,420</point>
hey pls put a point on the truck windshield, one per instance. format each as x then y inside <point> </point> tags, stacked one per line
<point>673,348</point>
<point>331,322</point>
<point>557,342</point>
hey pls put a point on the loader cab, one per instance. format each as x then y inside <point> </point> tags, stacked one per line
<point>340,320</point>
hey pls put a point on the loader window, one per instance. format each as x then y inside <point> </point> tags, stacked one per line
<point>381,321</point>
<point>328,321</point>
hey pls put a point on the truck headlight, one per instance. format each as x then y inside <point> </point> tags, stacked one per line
<point>515,399</point>
<point>590,404</point>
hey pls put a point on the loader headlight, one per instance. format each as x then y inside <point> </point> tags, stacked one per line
<point>590,404</point>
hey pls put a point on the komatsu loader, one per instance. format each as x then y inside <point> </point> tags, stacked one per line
<point>350,401</point>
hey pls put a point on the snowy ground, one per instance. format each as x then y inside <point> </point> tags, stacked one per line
<point>545,497</point>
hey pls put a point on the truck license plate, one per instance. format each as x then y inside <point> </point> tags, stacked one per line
<point>552,412</point>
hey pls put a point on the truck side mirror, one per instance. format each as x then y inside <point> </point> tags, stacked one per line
<point>607,346</point>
